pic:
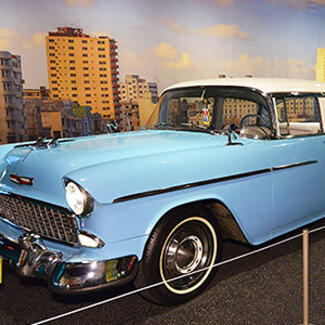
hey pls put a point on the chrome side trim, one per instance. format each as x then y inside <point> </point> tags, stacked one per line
<point>295,165</point>
<point>211,181</point>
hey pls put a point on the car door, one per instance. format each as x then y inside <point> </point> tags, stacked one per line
<point>298,162</point>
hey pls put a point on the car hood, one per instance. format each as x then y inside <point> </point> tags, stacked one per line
<point>116,165</point>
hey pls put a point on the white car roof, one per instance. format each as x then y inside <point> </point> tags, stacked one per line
<point>266,85</point>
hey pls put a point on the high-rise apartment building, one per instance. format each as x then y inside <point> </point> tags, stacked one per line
<point>83,69</point>
<point>12,118</point>
<point>320,66</point>
<point>135,87</point>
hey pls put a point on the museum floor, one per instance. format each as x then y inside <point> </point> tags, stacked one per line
<point>264,288</point>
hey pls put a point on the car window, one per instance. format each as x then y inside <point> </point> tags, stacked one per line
<point>298,115</point>
<point>251,118</point>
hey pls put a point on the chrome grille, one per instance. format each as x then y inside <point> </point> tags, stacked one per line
<point>48,221</point>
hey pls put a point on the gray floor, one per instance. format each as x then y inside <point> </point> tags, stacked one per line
<point>265,288</point>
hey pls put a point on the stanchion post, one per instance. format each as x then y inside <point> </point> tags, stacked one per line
<point>305,240</point>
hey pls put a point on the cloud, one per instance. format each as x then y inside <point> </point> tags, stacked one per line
<point>225,31</point>
<point>260,67</point>
<point>130,59</point>
<point>173,25</point>
<point>165,50</point>
<point>6,38</point>
<point>171,58</point>
<point>37,40</point>
<point>184,63</point>
<point>79,3</point>
<point>301,4</point>
<point>221,30</point>
<point>224,2</point>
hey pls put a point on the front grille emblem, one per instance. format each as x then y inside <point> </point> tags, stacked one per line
<point>21,179</point>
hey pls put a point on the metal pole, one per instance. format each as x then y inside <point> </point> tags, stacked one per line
<point>305,237</point>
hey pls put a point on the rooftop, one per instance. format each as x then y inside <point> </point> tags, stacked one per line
<point>266,85</point>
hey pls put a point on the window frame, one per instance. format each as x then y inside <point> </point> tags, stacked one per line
<point>283,95</point>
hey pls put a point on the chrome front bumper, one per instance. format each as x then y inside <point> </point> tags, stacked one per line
<point>32,259</point>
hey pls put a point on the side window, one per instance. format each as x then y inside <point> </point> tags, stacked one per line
<point>298,115</point>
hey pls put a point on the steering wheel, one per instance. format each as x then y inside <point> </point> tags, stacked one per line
<point>258,117</point>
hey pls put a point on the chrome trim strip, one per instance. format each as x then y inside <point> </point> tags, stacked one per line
<point>210,181</point>
<point>295,165</point>
<point>186,186</point>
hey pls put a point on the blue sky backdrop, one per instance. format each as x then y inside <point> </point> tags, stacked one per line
<point>174,40</point>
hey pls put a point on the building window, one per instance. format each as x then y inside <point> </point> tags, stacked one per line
<point>52,61</point>
<point>86,68</point>
<point>85,62</point>
<point>72,68</point>
<point>88,101</point>
<point>71,54</point>
<point>85,55</point>
<point>73,81</point>
<point>71,48</point>
<point>102,62</point>
<point>70,41</point>
<point>72,74</point>
<point>86,75</point>
<point>54,88</point>
<point>72,61</point>
<point>51,40</point>
<point>74,88</point>
<point>87,88</point>
<point>52,54</point>
<point>55,95</point>
<point>85,48</point>
<point>86,81</point>
<point>84,42</point>
<point>74,95</point>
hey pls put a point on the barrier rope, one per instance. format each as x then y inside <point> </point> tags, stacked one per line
<point>173,279</point>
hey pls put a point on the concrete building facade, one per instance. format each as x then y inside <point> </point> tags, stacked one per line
<point>134,88</point>
<point>84,69</point>
<point>12,118</point>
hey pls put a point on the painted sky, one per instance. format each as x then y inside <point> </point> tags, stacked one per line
<point>175,40</point>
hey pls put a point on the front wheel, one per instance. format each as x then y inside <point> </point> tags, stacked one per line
<point>183,242</point>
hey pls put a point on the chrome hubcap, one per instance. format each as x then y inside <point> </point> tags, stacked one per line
<point>189,253</point>
<point>190,247</point>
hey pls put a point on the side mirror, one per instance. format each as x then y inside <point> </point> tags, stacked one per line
<point>112,126</point>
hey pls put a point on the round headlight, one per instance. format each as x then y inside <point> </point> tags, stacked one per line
<point>78,199</point>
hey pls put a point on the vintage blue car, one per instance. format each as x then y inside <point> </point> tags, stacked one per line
<point>227,158</point>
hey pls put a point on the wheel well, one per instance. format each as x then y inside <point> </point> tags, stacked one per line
<point>228,225</point>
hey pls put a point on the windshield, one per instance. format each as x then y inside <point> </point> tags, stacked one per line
<point>216,109</point>
<point>187,107</point>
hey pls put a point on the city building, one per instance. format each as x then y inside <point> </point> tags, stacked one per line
<point>83,68</point>
<point>41,93</point>
<point>12,118</point>
<point>148,114</point>
<point>32,108</point>
<point>129,118</point>
<point>320,65</point>
<point>134,88</point>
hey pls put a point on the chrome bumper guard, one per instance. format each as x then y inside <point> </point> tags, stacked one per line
<point>32,259</point>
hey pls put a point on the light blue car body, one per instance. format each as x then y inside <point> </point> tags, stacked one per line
<point>132,180</point>
<point>265,198</point>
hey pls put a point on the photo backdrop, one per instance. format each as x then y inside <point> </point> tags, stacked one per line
<point>174,40</point>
